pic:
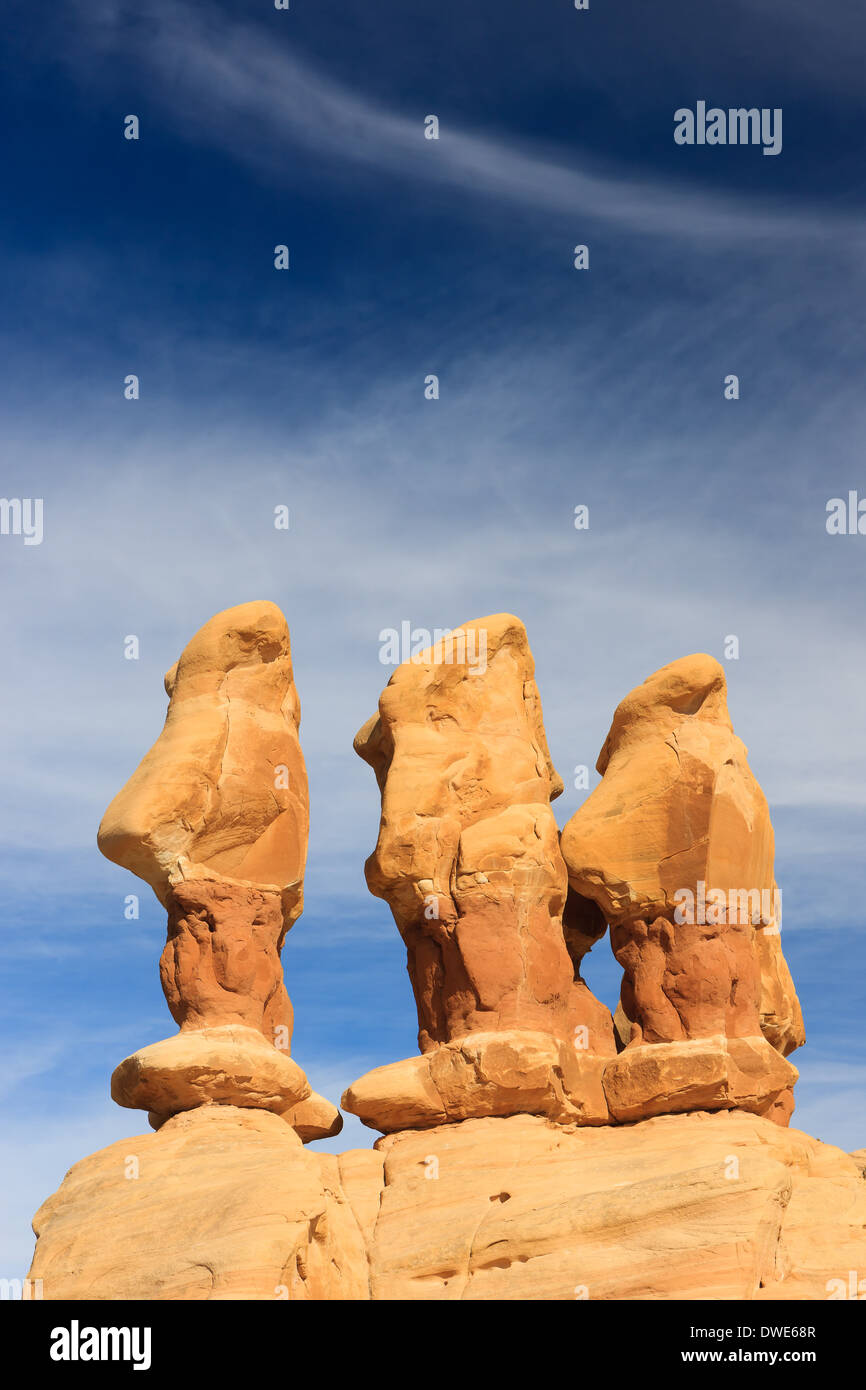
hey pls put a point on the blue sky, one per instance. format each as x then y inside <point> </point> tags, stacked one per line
<point>306,388</point>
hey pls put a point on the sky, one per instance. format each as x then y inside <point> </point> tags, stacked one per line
<point>305,388</point>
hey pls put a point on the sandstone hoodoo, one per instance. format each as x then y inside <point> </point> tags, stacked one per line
<point>468,858</point>
<point>536,1148</point>
<point>676,849</point>
<point>216,820</point>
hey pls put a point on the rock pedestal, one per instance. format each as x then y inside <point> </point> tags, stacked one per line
<point>216,819</point>
<point>468,859</point>
<point>536,1148</point>
<point>675,847</point>
<point>227,1204</point>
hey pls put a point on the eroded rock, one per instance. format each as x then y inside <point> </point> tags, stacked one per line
<point>675,849</point>
<point>468,850</point>
<point>224,786</point>
<point>221,1203</point>
<point>216,819</point>
<point>501,1073</point>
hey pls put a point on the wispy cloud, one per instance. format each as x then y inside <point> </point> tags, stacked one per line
<point>231,86</point>
<point>707,516</point>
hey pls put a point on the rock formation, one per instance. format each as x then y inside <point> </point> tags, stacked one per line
<point>228,1205</point>
<point>468,858</point>
<point>224,788</point>
<point>223,1202</point>
<point>675,847</point>
<point>536,1148</point>
<point>215,819</point>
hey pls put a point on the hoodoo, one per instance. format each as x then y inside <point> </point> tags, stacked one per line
<point>536,1148</point>
<point>215,818</point>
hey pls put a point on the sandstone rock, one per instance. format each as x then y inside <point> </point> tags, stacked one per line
<point>311,1119</point>
<point>859,1157</point>
<point>468,853</point>
<point>215,818</point>
<point>715,1073</point>
<point>224,786</point>
<point>675,849</point>
<point>397,1096</point>
<point>500,1073</point>
<point>781,1108</point>
<point>682,980</point>
<point>221,962</point>
<point>781,1016</point>
<point>677,803</point>
<point>362,1177</point>
<point>209,1066</point>
<point>537,1148</point>
<point>820,1245</point>
<point>314,1118</point>
<point>226,1204</point>
<point>690,1206</point>
<point>468,858</point>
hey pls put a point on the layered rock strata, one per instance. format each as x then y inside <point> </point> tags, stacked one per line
<point>225,1203</point>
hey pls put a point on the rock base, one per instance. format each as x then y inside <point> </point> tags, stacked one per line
<point>224,1203</point>
<point>716,1073</point>
<point>483,1074</point>
<point>222,1066</point>
<point>513,1073</point>
<point>221,1203</point>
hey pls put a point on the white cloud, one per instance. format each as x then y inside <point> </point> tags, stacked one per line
<point>230,85</point>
